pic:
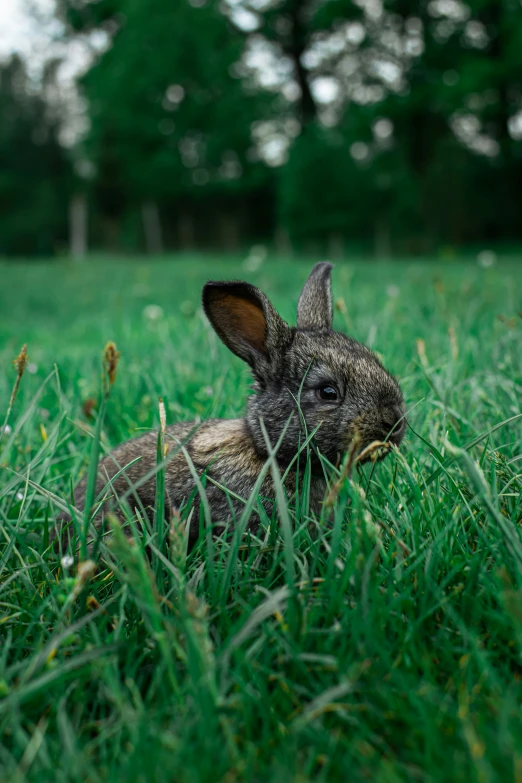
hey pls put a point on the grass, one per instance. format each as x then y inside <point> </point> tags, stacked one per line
<point>384,647</point>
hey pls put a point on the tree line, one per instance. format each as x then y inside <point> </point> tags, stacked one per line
<point>305,124</point>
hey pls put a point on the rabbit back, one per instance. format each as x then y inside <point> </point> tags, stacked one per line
<point>221,452</point>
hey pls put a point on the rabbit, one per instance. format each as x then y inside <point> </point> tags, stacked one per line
<point>306,378</point>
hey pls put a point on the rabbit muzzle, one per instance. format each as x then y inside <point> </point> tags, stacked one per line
<point>385,426</point>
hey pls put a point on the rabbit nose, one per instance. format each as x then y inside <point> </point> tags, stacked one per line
<point>394,424</point>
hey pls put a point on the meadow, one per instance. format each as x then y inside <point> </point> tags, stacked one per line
<point>381,642</point>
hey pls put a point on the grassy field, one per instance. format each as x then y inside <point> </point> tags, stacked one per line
<point>385,646</point>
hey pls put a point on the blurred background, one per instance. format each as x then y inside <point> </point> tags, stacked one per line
<point>306,126</point>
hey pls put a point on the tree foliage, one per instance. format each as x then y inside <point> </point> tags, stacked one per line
<point>387,121</point>
<point>34,171</point>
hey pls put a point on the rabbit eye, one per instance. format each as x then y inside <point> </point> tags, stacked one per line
<point>328,393</point>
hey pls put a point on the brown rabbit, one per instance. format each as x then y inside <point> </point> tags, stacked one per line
<point>305,379</point>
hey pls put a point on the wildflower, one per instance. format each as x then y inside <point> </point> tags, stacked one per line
<point>153,312</point>
<point>66,562</point>
<point>486,258</point>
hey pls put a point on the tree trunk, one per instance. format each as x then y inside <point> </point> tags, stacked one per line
<point>78,227</point>
<point>152,227</point>
<point>283,243</point>
<point>229,232</point>
<point>186,230</point>
<point>382,239</point>
<point>497,117</point>
<point>297,47</point>
<point>336,245</point>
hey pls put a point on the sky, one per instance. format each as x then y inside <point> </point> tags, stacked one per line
<point>27,27</point>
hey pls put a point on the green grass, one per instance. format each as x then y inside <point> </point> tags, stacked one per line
<point>384,647</point>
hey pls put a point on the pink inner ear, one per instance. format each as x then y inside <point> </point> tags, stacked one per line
<point>246,318</point>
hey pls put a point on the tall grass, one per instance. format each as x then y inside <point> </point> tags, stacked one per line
<point>381,641</point>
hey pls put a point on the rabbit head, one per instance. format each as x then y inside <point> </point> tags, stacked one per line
<point>306,378</point>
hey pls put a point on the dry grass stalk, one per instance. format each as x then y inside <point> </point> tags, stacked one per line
<point>163,426</point>
<point>421,350</point>
<point>454,343</point>
<point>346,471</point>
<point>340,306</point>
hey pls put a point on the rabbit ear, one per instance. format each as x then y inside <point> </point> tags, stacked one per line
<point>246,322</point>
<point>314,309</point>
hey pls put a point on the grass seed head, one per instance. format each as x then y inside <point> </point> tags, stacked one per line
<point>177,541</point>
<point>85,572</point>
<point>374,451</point>
<point>110,361</point>
<point>197,611</point>
<point>162,416</point>
<point>20,362</point>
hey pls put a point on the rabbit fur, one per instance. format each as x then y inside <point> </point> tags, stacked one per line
<point>297,374</point>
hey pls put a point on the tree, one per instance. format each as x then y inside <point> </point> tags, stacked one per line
<point>216,122</point>
<point>35,174</point>
<point>170,119</point>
